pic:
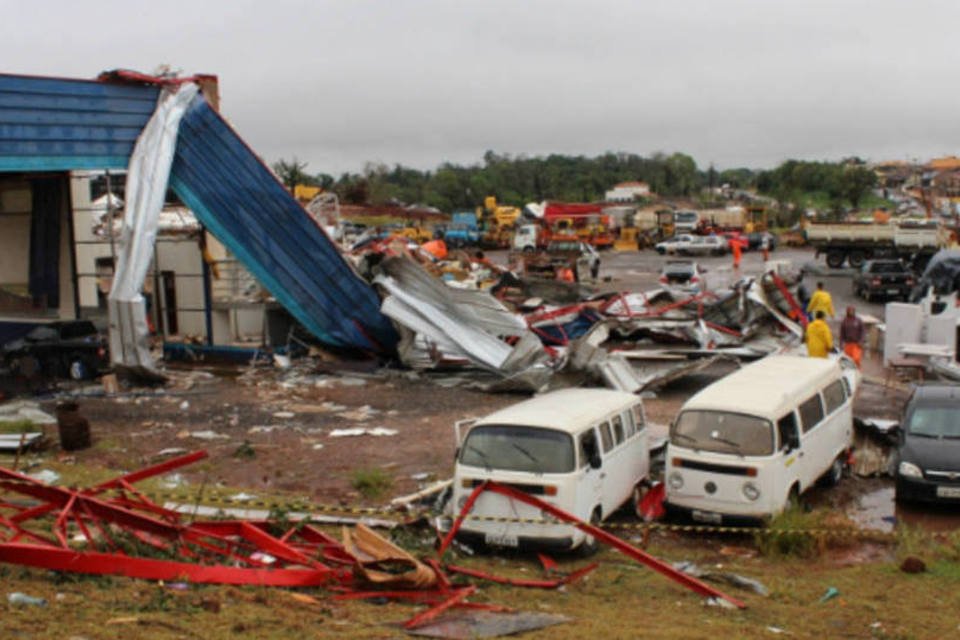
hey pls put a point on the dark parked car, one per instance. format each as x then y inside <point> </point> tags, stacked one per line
<point>58,349</point>
<point>883,279</point>
<point>928,467</point>
<point>755,240</point>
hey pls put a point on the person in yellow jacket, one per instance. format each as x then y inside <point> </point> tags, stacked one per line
<point>820,301</point>
<point>819,338</point>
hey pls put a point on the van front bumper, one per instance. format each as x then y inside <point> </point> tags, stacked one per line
<point>523,542</point>
<point>706,518</point>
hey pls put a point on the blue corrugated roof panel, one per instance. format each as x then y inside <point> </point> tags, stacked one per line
<point>235,196</point>
<point>53,124</point>
<point>57,124</point>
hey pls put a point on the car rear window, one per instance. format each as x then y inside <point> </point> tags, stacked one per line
<point>887,267</point>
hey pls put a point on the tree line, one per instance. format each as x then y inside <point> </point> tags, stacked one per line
<point>520,179</point>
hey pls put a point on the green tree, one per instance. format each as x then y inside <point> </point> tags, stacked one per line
<point>291,173</point>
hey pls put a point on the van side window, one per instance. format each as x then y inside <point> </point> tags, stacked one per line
<point>834,395</point>
<point>617,423</point>
<point>605,437</point>
<point>811,412</point>
<point>638,416</point>
<point>588,447</point>
<point>628,428</point>
<point>846,385</point>
<point>787,427</point>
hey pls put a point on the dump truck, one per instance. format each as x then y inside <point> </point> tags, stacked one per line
<point>913,241</point>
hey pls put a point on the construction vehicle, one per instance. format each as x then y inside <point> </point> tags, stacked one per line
<point>913,241</point>
<point>584,222</point>
<point>497,222</point>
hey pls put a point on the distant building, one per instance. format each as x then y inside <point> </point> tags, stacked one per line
<point>628,192</point>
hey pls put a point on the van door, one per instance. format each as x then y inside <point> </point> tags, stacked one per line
<point>589,480</point>
<point>839,421</point>
<point>814,456</point>
<point>614,471</point>
<point>788,434</point>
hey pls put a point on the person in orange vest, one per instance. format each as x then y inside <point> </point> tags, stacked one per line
<point>735,248</point>
<point>565,274</point>
<point>851,335</point>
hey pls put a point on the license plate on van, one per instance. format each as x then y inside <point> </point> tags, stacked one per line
<point>708,517</point>
<point>948,492</point>
<point>893,291</point>
<point>501,540</point>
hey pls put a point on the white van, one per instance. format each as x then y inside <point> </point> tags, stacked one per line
<point>582,450</point>
<point>753,441</point>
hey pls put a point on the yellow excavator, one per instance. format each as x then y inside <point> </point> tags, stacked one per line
<point>498,222</point>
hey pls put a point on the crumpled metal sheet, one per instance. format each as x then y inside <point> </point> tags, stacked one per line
<point>487,624</point>
<point>446,323</point>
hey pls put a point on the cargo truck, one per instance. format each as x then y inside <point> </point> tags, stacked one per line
<point>913,241</point>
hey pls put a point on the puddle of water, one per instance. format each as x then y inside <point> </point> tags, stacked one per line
<point>877,510</point>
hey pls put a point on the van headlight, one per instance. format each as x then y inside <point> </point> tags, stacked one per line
<point>675,481</point>
<point>751,491</point>
<point>909,470</point>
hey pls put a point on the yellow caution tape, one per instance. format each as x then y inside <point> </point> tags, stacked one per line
<point>308,507</point>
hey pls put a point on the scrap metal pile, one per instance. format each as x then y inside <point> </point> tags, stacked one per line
<point>469,313</point>
<point>114,529</point>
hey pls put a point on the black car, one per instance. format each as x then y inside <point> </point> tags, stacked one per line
<point>72,349</point>
<point>928,457</point>
<point>883,279</point>
<point>755,240</point>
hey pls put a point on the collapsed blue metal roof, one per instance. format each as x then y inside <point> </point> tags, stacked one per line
<point>51,124</point>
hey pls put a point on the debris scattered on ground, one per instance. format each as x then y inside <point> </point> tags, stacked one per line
<point>18,599</point>
<point>829,594</point>
<point>913,564</point>
<point>208,434</point>
<point>722,576</point>
<point>360,431</point>
<point>487,624</point>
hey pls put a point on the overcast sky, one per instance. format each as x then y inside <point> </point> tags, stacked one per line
<point>338,84</point>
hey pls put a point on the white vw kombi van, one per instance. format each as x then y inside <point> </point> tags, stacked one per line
<point>582,450</point>
<point>751,442</point>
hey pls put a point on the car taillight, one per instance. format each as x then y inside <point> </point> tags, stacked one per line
<point>664,280</point>
<point>694,279</point>
<point>101,352</point>
<point>909,281</point>
<point>876,282</point>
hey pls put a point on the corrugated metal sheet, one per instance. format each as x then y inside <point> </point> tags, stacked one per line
<point>245,207</point>
<point>53,124</point>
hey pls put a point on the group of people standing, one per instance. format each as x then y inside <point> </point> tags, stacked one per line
<point>819,337</point>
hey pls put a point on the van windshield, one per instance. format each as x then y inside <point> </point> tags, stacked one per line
<point>723,432</point>
<point>514,448</point>
<point>686,216</point>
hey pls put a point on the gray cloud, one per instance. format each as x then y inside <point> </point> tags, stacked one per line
<point>745,82</point>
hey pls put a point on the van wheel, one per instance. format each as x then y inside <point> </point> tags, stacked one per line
<point>835,473</point>
<point>590,545</point>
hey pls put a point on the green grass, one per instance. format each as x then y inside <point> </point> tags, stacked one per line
<point>19,426</point>
<point>371,483</point>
